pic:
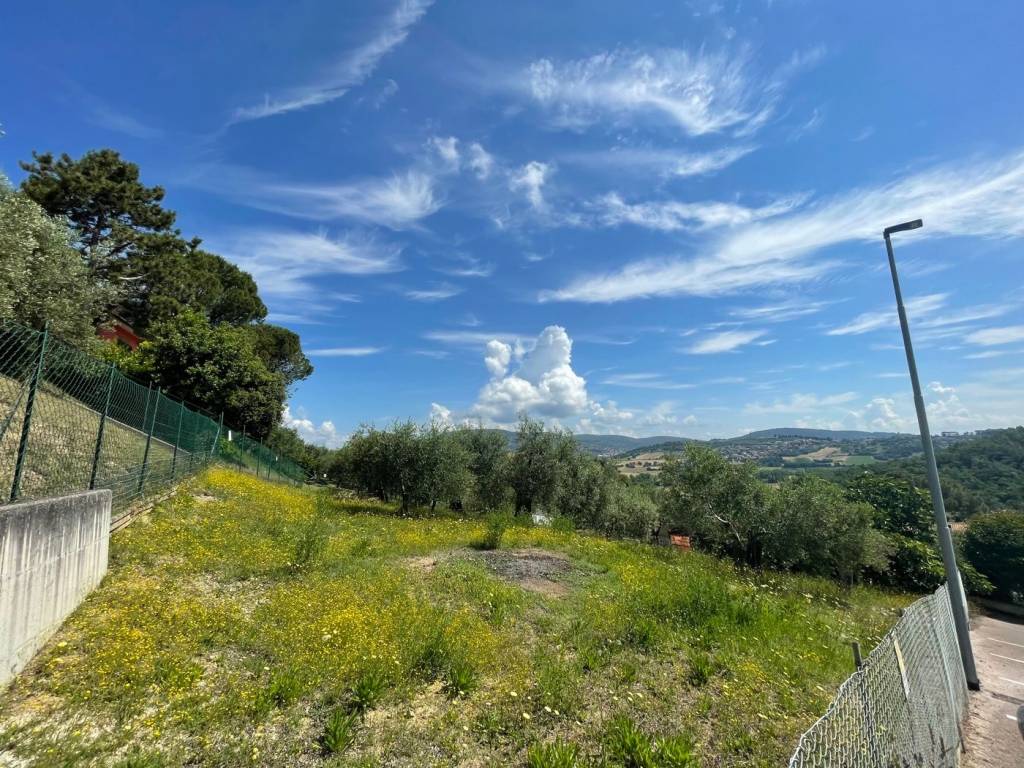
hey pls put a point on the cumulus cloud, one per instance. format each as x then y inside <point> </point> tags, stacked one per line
<point>544,382</point>
<point>324,433</point>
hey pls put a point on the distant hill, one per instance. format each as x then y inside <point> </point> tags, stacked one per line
<point>823,434</point>
<point>986,471</point>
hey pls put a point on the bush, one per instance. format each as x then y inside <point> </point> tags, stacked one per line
<point>632,514</point>
<point>496,525</point>
<point>994,545</point>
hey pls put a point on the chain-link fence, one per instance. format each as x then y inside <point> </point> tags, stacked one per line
<point>70,422</point>
<point>904,706</point>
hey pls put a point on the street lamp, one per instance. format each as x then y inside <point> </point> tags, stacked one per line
<point>954,587</point>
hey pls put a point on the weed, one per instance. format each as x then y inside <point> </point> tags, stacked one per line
<point>141,760</point>
<point>675,752</point>
<point>700,669</point>
<point>367,690</point>
<point>555,754</point>
<point>308,545</point>
<point>628,746</point>
<point>460,678</point>
<point>339,731</point>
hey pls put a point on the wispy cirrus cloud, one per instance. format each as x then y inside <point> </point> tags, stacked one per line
<point>345,351</point>
<point>645,381</point>
<point>781,312</point>
<point>698,91</point>
<point>288,264</point>
<point>801,403</point>
<point>726,341</point>
<point>990,337</point>
<point>662,162</point>
<point>398,201</point>
<point>980,199</point>
<point>349,71</point>
<point>437,293</point>
<point>886,318</point>
<point>673,215</point>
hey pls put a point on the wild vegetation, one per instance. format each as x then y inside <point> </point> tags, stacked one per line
<point>248,624</point>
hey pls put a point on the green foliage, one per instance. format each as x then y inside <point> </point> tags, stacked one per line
<point>460,677</point>
<point>280,350</point>
<point>994,544</point>
<point>554,754</point>
<point>101,196</point>
<point>339,731</point>
<point>42,277</point>
<point>533,470</point>
<point>488,464</point>
<point>367,690</point>
<point>900,508</point>
<point>628,746</point>
<point>215,367</point>
<point>285,687</point>
<point>632,514</point>
<point>496,524</point>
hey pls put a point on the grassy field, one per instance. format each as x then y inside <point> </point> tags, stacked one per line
<point>247,624</point>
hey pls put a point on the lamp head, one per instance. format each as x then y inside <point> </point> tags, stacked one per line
<point>907,225</point>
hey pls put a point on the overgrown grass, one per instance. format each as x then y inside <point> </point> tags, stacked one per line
<point>216,640</point>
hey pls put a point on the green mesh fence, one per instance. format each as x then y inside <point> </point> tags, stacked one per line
<point>70,422</point>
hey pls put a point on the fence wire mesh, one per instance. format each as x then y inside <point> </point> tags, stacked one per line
<point>70,422</point>
<point>904,707</point>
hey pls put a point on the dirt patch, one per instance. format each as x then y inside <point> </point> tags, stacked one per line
<point>536,570</point>
<point>423,564</point>
<point>205,498</point>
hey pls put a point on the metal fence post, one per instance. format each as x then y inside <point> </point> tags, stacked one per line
<point>258,456</point>
<point>216,440</point>
<point>149,437</point>
<point>177,439</point>
<point>103,424</point>
<point>26,424</point>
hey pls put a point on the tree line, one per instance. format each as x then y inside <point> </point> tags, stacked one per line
<point>84,243</point>
<point>871,527</point>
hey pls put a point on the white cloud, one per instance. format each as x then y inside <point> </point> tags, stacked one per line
<point>437,293</point>
<point>530,180</point>
<point>646,380</point>
<point>440,415</point>
<point>990,337</point>
<point>480,161</point>
<point>665,163</point>
<point>323,433</point>
<point>781,312</point>
<point>726,341</point>
<point>671,215</point>
<point>353,69</point>
<point>980,199</point>
<point>497,356</point>
<point>447,149</point>
<point>344,351</point>
<point>471,338</point>
<point>544,383</point>
<point>699,92</point>
<point>398,201</point>
<point>887,318</point>
<point>287,263</point>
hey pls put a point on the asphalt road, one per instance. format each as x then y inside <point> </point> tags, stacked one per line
<point>995,730</point>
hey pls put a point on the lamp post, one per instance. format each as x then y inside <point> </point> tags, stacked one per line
<point>954,587</point>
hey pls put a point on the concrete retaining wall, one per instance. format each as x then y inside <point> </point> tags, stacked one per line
<point>53,552</point>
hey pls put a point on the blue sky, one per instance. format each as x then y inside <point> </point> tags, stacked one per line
<point>641,218</point>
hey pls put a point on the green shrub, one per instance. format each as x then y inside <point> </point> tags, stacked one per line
<point>700,669</point>
<point>994,544</point>
<point>309,545</point>
<point>563,524</point>
<point>285,687</point>
<point>676,752</point>
<point>496,525</point>
<point>555,754</point>
<point>339,731</point>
